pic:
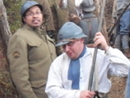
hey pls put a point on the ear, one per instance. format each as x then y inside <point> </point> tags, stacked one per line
<point>24,19</point>
<point>43,17</point>
<point>82,39</point>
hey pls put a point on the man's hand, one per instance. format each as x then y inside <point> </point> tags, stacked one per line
<point>87,94</point>
<point>74,18</point>
<point>100,41</point>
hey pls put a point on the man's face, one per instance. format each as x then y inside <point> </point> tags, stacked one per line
<point>33,17</point>
<point>74,48</point>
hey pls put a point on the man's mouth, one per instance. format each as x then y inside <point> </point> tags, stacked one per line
<point>69,53</point>
<point>35,21</point>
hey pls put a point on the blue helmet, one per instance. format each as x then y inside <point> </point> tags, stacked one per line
<point>88,6</point>
<point>69,31</point>
<point>28,5</point>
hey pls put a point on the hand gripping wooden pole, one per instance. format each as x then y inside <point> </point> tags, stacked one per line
<point>92,76</point>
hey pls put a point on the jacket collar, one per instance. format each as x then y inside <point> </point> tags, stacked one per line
<point>31,28</point>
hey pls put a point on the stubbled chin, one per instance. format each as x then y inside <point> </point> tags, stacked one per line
<point>71,56</point>
<point>36,24</point>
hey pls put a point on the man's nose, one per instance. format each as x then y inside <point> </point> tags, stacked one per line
<point>35,15</point>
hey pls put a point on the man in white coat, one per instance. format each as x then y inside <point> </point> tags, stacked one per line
<point>69,73</point>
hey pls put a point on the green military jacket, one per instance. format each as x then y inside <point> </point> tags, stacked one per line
<point>30,54</point>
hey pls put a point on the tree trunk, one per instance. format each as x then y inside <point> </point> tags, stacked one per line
<point>6,87</point>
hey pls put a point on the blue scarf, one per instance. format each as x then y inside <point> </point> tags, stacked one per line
<point>74,71</point>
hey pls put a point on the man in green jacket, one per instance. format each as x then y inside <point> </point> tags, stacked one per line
<point>30,53</point>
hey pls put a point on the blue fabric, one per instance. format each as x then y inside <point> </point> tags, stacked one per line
<point>122,40</point>
<point>74,71</point>
<point>90,15</point>
<point>125,23</point>
<point>89,24</point>
<point>125,41</point>
<point>127,90</point>
<point>124,30</point>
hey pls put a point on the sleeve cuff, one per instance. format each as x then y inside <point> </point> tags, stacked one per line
<point>77,94</point>
<point>108,51</point>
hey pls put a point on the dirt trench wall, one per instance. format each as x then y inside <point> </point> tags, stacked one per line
<point>118,87</point>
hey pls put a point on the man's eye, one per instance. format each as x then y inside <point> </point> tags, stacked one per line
<point>71,43</point>
<point>38,13</point>
<point>29,14</point>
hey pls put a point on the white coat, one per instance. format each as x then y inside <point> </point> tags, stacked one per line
<point>113,62</point>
